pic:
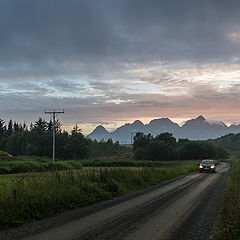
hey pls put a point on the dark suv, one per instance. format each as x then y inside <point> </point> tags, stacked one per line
<point>207,165</point>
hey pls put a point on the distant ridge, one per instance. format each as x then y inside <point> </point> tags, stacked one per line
<point>193,129</point>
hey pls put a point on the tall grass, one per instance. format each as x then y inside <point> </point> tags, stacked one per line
<point>37,195</point>
<point>131,163</point>
<point>228,223</point>
<point>33,166</point>
<point>42,164</point>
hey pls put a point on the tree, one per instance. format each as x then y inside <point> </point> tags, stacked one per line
<point>77,145</point>
<point>50,126</point>
<point>40,126</point>
<point>25,128</point>
<point>2,135</point>
<point>166,138</point>
<point>165,147</point>
<point>15,127</point>
<point>141,140</point>
<point>10,127</point>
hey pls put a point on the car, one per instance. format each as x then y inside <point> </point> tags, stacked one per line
<point>207,165</point>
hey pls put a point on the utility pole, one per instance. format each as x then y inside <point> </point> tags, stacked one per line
<point>54,114</point>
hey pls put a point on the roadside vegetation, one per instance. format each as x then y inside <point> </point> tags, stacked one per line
<point>18,166</point>
<point>132,163</point>
<point>37,164</point>
<point>228,223</point>
<point>230,143</point>
<point>26,197</point>
<point>166,147</point>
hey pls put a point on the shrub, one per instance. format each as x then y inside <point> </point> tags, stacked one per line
<point>33,166</point>
<point>58,166</point>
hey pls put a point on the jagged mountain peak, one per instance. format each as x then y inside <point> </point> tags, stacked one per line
<point>196,129</point>
<point>201,118</point>
<point>99,133</point>
<point>100,129</point>
<point>137,122</point>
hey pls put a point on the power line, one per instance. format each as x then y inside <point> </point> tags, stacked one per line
<point>54,114</point>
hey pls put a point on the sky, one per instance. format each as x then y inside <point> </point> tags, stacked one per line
<point>109,62</point>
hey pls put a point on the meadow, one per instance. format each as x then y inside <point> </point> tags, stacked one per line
<point>228,223</point>
<point>24,164</point>
<point>35,195</point>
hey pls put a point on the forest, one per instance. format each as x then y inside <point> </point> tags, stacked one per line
<point>36,140</point>
<point>166,147</point>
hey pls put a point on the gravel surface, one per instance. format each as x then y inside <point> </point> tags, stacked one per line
<point>200,224</point>
<point>128,223</point>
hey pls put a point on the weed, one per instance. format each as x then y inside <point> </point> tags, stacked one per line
<point>37,195</point>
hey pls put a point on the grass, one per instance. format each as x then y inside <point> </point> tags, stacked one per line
<point>24,164</point>
<point>130,163</point>
<point>228,223</point>
<point>27,197</point>
<point>18,166</point>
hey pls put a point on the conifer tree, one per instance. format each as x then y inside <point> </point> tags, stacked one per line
<point>10,127</point>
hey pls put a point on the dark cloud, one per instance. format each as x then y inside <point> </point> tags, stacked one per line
<point>59,31</point>
<point>96,58</point>
<point>51,30</point>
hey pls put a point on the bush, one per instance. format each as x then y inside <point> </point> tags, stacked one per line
<point>33,166</point>
<point>75,164</point>
<point>58,166</point>
<point>22,166</point>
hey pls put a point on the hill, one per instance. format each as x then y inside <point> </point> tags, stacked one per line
<point>230,142</point>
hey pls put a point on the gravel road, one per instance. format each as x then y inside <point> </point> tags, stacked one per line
<point>182,208</point>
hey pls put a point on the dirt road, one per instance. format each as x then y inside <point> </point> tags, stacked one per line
<point>184,208</point>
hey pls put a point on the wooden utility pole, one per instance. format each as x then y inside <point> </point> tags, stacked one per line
<point>54,114</point>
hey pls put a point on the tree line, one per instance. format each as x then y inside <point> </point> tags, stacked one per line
<point>166,147</point>
<point>231,142</point>
<point>36,140</point>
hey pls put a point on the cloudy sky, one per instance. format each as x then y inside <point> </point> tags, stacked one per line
<point>113,61</point>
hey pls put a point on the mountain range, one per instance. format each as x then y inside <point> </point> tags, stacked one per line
<point>194,129</point>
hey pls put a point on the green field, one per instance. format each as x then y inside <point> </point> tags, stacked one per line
<point>228,223</point>
<point>35,195</point>
<point>26,164</point>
